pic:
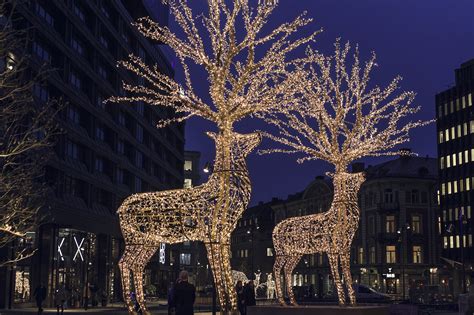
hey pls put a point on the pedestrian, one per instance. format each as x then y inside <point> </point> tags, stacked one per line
<point>184,295</point>
<point>171,303</point>
<point>239,289</point>
<point>40,295</point>
<point>249,294</point>
<point>60,298</point>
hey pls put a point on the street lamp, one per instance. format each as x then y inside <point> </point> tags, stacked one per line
<point>402,232</point>
<point>207,168</point>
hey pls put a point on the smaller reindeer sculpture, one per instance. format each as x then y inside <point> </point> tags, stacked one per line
<point>190,214</point>
<point>330,232</point>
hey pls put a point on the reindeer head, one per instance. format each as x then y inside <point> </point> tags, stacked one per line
<point>348,182</point>
<point>240,144</point>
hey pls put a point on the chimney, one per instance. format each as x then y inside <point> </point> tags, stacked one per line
<point>357,167</point>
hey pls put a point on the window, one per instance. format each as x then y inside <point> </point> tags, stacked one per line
<point>188,165</point>
<point>441,137</point>
<point>372,257</point>
<point>139,159</point>
<point>416,223</point>
<point>99,164</point>
<point>390,224</point>
<point>72,150</point>
<point>119,176</point>
<point>40,51</point>
<point>471,125</point>
<point>458,128</point>
<point>99,101</point>
<point>464,128</point>
<point>41,11</point>
<point>77,45</point>
<point>188,183</point>
<point>41,92</point>
<point>415,196</point>
<point>469,99</point>
<point>453,133</point>
<point>391,255</point>
<point>269,252</point>
<point>185,259</point>
<point>120,147</point>
<point>388,196</point>
<point>371,225</point>
<point>99,133</point>
<point>71,186</point>
<point>441,162</point>
<point>75,80</point>
<point>417,257</point>
<point>361,255</point>
<point>73,114</point>
<point>139,133</point>
<point>460,158</point>
<point>454,159</point>
<point>105,11</point>
<point>121,118</point>
<point>104,41</point>
<point>445,242</point>
<point>102,72</point>
<point>78,11</point>
<point>466,156</point>
<point>138,184</point>
<point>446,135</point>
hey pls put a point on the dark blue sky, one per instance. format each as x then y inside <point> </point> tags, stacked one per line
<point>421,40</point>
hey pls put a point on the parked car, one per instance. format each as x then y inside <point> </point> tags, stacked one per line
<point>367,294</point>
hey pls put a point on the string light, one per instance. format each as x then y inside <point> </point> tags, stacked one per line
<point>336,119</point>
<point>240,85</point>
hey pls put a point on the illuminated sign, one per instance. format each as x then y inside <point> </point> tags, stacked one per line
<point>162,253</point>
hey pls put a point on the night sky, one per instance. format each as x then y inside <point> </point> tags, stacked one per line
<point>421,40</point>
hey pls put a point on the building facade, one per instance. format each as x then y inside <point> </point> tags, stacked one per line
<point>455,129</point>
<point>106,151</point>
<point>395,247</point>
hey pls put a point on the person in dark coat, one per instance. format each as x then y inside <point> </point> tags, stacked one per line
<point>184,295</point>
<point>249,294</point>
<point>171,304</point>
<point>239,289</point>
<point>40,295</point>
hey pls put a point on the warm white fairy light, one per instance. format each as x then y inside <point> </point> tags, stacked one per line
<point>337,118</point>
<point>240,85</point>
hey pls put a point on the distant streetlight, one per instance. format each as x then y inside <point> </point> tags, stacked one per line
<point>207,168</point>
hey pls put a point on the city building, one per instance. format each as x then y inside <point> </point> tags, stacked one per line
<point>455,129</point>
<point>396,245</point>
<point>106,151</point>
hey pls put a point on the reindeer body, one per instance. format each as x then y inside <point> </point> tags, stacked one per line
<point>330,232</point>
<point>206,213</point>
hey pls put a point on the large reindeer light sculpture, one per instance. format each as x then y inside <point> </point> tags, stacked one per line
<point>240,85</point>
<point>338,120</point>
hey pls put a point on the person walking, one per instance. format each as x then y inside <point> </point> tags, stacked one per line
<point>249,294</point>
<point>40,295</point>
<point>239,289</point>
<point>60,297</point>
<point>184,295</point>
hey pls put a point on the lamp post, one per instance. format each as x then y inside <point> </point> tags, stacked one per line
<point>402,232</point>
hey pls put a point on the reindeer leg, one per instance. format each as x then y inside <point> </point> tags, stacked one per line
<point>124,266</point>
<point>141,259</point>
<point>216,267</point>
<point>334,263</point>
<point>279,263</point>
<point>289,267</point>
<point>346,269</point>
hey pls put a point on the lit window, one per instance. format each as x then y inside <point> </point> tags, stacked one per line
<point>390,224</point>
<point>188,165</point>
<point>454,159</point>
<point>464,127</point>
<point>471,123</point>
<point>361,255</point>
<point>460,158</point>
<point>469,99</point>
<point>417,257</point>
<point>464,102</point>
<point>458,107</point>
<point>461,185</point>
<point>269,252</point>
<point>448,161</point>
<point>391,255</point>
<point>468,215</point>
<point>451,106</point>
<point>466,156</point>
<point>441,162</point>
<point>458,127</point>
<point>451,242</point>
<point>455,186</point>
<point>416,223</point>
<point>469,240</point>
<point>443,189</point>
<point>453,133</point>
<point>446,135</point>
<point>449,188</point>
<point>441,137</point>
<point>185,259</point>
<point>458,241</point>
<point>188,183</point>
<point>445,108</point>
<point>445,242</point>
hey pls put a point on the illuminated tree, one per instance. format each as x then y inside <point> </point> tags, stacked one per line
<point>339,119</point>
<point>247,75</point>
<point>26,132</point>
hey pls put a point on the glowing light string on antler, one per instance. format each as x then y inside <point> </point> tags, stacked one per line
<point>337,118</point>
<point>240,85</point>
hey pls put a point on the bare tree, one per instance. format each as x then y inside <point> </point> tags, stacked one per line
<point>26,132</point>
